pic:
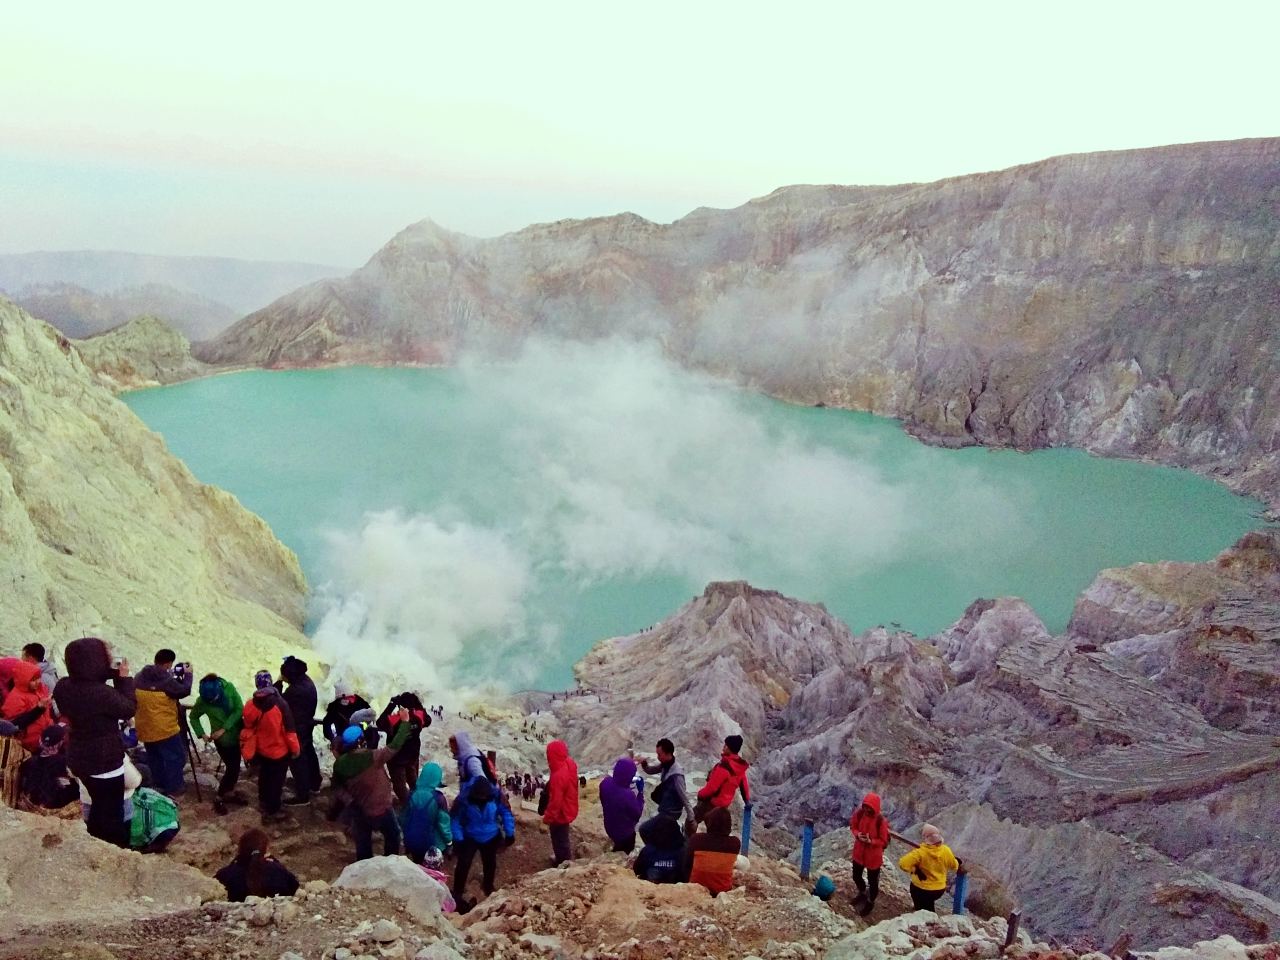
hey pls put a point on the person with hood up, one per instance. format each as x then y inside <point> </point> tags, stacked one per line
<point>470,761</point>
<point>35,653</point>
<point>95,753</point>
<point>671,795</point>
<point>27,705</point>
<point>220,701</point>
<point>562,799</point>
<point>711,855</point>
<point>340,712</point>
<point>928,865</point>
<point>361,776</point>
<point>300,694</point>
<point>479,821</point>
<point>426,817</point>
<point>726,778</point>
<point>254,873</point>
<point>404,767</point>
<point>870,837</point>
<point>661,859</point>
<point>159,720</point>
<point>269,739</point>
<point>621,804</point>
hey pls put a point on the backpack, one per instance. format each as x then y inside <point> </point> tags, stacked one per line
<point>155,821</point>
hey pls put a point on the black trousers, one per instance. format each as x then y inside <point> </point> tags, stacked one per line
<point>871,886</point>
<point>230,755</point>
<point>625,846</point>
<point>466,850</point>
<point>106,810</point>
<point>923,899</point>
<point>305,767</point>
<point>271,775</point>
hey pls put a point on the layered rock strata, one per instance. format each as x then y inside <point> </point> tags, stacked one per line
<point>145,352</point>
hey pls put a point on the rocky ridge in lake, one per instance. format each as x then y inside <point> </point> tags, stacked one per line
<point>1121,302</point>
<point>1091,774</point>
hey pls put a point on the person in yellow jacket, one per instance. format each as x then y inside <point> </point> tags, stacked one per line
<point>928,865</point>
<point>159,686</point>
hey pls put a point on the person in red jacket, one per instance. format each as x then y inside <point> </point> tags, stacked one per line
<point>562,799</point>
<point>870,836</point>
<point>269,739</point>
<point>726,778</point>
<point>27,704</point>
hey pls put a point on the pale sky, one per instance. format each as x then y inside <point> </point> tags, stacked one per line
<point>315,131</point>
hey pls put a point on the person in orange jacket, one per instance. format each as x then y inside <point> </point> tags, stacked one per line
<point>269,739</point>
<point>27,704</point>
<point>870,837</point>
<point>562,799</point>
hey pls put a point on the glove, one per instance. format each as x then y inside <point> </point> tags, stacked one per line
<point>508,841</point>
<point>920,874</point>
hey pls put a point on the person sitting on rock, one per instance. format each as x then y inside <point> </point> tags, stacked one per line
<point>254,873</point>
<point>726,778</point>
<point>710,856</point>
<point>671,795</point>
<point>621,804</point>
<point>661,859</point>
<point>870,837</point>
<point>27,705</point>
<point>44,780</point>
<point>562,799</point>
<point>220,701</point>
<point>928,865</point>
<point>426,816</point>
<point>338,715</point>
<point>360,775</point>
<point>35,653</point>
<point>478,823</point>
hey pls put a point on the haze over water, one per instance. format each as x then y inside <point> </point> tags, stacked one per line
<point>492,522</point>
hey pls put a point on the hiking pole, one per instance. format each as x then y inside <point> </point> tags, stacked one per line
<point>191,753</point>
<point>898,836</point>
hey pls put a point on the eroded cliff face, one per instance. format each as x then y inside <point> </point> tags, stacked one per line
<point>1112,778</point>
<point>1121,302</point>
<point>145,352</point>
<point>105,533</point>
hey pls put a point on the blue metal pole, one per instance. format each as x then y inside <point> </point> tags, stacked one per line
<point>746,829</point>
<point>959,892</point>
<point>806,850</point>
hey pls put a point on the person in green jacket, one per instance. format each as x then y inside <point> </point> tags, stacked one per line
<point>426,817</point>
<point>220,702</point>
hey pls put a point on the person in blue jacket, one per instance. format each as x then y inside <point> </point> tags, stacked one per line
<point>479,822</point>
<point>426,819</point>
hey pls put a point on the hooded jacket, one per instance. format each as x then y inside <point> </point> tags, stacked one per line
<point>562,786</point>
<point>338,715</point>
<point>426,818</point>
<point>621,804</point>
<point>928,865</point>
<point>300,694</point>
<point>268,727</point>
<point>470,763</point>
<point>225,711</point>
<point>725,779</point>
<point>418,721</point>
<point>158,692</point>
<point>482,815</point>
<point>93,708</point>
<point>22,706</point>
<point>869,854</point>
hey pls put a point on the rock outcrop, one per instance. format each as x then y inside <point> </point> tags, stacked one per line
<point>145,352</point>
<point>1122,302</point>
<point>106,533</point>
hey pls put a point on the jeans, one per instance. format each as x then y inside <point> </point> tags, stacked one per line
<point>871,886</point>
<point>363,825</point>
<point>231,767</point>
<point>271,774</point>
<point>560,846</point>
<point>466,850</point>
<point>106,810</point>
<point>166,758</point>
<point>923,899</point>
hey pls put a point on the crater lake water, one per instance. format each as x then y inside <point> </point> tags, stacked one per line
<point>494,522</point>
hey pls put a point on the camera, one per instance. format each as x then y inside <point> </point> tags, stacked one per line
<point>116,662</point>
<point>180,670</point>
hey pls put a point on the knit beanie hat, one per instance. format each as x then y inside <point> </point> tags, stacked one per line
<point>734,742</point>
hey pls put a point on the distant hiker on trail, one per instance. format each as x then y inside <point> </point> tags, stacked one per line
<point>220,701</point>
<point>870,836</point>
<point>470,761</point>
<point>726,778</point>
<point>661,859</point>
<point>360,775</point>
<point>928,865</point>
<point>27,705</point>
<point>254,873</point>
<point>479,823</point>
<point>404,766</point>
<point>35,653</point>
<point>160,685</point>
<point>562,799</point>
<point>426,817</point>
<point>270,740</point>
<point>710,856</point>
<point>671,795</point>
<point>300,694</point>
<point>338,716</point>
<point>95,753</point>
<point>621,804</point>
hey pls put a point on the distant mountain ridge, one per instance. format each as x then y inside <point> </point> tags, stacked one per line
<point>242,285</point>
<point>1121,302</point>
<point>79,312</point>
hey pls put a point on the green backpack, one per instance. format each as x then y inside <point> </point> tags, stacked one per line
<point>155,821</point>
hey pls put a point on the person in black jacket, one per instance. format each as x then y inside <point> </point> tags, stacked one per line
<point>95,753</point>
<point>345,704</point>
<point>300,694</point>
<point>403,767</point>
<point>255,874</point>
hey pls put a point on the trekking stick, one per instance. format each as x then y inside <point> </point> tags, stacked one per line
<point>898,836</point>
<point>191,757</point>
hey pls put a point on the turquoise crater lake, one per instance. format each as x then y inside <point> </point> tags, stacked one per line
<point>495,521</point>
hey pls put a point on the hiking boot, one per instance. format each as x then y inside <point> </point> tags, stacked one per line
<point>234,799</point>
<point>464,906</point>
<point>866,911</point>
<point>220,806</point>
<point>860,899</point>
<point>278,817</point>
<point>297,801</point>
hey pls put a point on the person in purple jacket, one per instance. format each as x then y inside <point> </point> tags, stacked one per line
<point>622,805</point>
